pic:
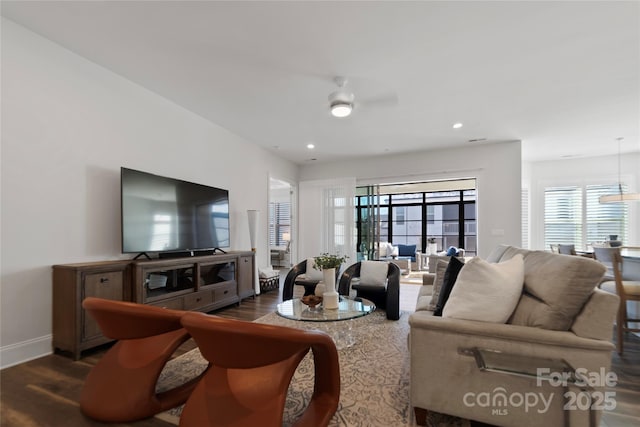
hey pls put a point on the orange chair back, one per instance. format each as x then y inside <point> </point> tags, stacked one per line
<point>121,387</point>
<point>251,367</point>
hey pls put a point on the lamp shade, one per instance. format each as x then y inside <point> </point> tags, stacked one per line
<point>619,198</point>
<point>286,237</point>
<point>253,227</point>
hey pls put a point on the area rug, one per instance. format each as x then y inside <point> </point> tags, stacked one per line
<point>374,373</point>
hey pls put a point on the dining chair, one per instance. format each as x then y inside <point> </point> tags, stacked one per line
<point>567,249</point>
<point>627,290</point>
<point>252,365</point>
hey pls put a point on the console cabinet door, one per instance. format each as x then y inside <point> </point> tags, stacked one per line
<point>107,285</point>
<point>73,329</point>
<point>246,276</point>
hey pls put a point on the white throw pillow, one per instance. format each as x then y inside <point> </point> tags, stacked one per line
<point>382,249</point>
<point>373,273</point>
<point>312,273</point>
<point>486,292</point>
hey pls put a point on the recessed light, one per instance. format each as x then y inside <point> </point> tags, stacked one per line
<point>457,125</point>
<point>311,146</point>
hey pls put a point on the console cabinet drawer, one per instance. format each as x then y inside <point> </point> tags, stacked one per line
<point>224,292</point>
<point>198,300</point>
<point>170,303</point>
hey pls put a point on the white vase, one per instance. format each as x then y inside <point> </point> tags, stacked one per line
<point>330,297</point>
<point>433,248</point>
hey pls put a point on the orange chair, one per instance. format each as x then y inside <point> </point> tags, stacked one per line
<point>251,367</point>
<point>121,387</point>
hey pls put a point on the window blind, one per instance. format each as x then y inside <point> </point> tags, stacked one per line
<point>563,216</point>
<point>604,219</point>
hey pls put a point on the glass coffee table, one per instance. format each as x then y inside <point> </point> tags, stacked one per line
<point>348,308</point>
<point>337,322</point>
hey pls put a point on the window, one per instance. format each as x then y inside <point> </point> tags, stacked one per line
<point>563,216</point>
<point>525,218</point>
<point>573,215</point>
<point>279,222</point>
<point>605,219</point>
<point>447,216</point>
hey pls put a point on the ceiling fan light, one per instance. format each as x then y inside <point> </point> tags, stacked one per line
<point>341,109</point>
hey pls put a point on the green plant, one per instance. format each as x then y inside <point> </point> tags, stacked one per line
<point>326,261</point>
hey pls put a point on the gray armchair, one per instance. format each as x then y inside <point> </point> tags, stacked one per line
<point>386,297</point>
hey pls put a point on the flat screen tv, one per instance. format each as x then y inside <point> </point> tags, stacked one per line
<point>165,215</point>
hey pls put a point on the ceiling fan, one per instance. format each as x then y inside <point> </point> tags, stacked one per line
<point>342,101</point>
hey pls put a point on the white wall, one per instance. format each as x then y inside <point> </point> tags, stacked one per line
<point>68,127</point>
<point>581,171</point>
<point>497,168</point>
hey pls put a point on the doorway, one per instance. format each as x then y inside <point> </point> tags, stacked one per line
<point>282,236</point>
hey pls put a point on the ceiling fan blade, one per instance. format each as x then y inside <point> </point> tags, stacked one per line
<point>383,100</point>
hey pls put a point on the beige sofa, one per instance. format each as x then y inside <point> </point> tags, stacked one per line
<point>445,378</point>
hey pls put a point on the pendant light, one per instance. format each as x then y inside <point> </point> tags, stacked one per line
<point>620,196</point>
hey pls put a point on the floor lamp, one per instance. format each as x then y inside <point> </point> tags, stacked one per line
<point>252,214</point>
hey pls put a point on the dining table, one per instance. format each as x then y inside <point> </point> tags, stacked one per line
<point>630,261</point>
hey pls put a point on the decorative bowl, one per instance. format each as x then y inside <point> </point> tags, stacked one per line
<point>311,300</point>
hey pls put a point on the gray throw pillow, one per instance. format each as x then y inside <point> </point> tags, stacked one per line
<point>556,287</point>
<point>441,267</point>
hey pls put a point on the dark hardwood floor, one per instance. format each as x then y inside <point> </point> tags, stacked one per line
<point>45,392</point>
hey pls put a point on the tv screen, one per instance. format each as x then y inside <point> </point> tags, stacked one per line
<point>161,214</point>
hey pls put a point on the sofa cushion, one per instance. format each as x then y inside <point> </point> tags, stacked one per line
<point>486,292</point>
<point>497,253</point>
<point>441,268</point>
<point>556,287</point>
<point>373,273</point>
<point>385,249</point>
<point>450,276</point>
<point>596,317</point>
<point>407,251</point>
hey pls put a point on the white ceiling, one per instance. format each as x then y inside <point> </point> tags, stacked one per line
<point>563,77</point>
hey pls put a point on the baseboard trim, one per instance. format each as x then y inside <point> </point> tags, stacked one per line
<point>15,354</point>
